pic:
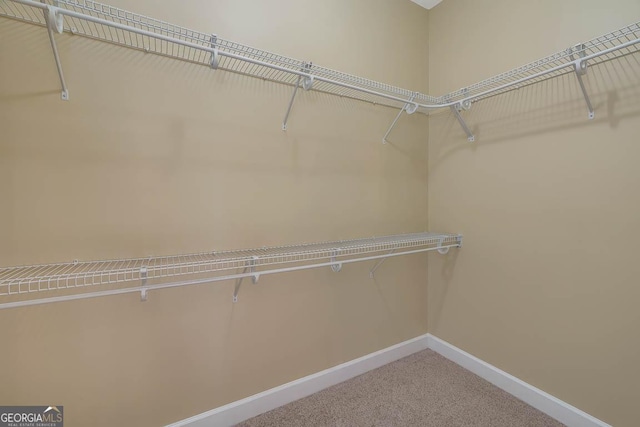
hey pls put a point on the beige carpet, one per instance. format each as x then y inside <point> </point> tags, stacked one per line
<point>424,389</point>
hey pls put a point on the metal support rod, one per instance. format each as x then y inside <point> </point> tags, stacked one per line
<point>580,67</point>
<point>384,138</point>
<point>208,280</point>
<point>49,15</point>
<point>293,96</point>
<point>456,112</point>
<point>254,278</point>
<point>580,71</point>
<point>378,264</point>
<point>236,288</point>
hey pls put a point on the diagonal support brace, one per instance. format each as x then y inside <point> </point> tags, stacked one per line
<point>592,113</point>
<point>409,107</point>
<point>249,268</point>
<point>307,83</point>
<point>55,23</point>
<point>293,96</point>
<point>456,111</point>
<point>378,264</point>
<point>580,66</point>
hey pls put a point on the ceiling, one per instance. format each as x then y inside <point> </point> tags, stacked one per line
<point>427,4</point>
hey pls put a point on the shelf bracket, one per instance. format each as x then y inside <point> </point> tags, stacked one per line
<point>440,249</point>
<point>335,266</point>
<point>464,105</point>
<point>249,268</point>
<point>580,66</point>
<point>286,116</point>
<point>143,282</point>
<point>409,107</point>
<point>55,23</point>
<point>445,250</point>
<point>378,264</point>
<point>215,56</point>
<point>307,83</point>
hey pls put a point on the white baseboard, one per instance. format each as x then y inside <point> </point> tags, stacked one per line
<point>260,403</point>
<point>552,406</point>
<point>257,404</point>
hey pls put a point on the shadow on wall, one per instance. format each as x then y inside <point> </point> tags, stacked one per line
<point>545,107</point>
<point>218,99</point>
<point>144,133</point>
<point>438,290</point>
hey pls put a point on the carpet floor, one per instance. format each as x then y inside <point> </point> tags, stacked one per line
<point>424,389</point>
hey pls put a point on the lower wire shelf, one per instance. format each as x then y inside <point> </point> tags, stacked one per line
<point>48,283</point>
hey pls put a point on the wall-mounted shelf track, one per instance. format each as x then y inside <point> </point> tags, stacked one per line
<point>39,284</point>
<point>106,23</point>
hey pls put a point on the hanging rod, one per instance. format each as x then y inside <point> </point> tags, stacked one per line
<point>34,284</point>
<point>96,20</point>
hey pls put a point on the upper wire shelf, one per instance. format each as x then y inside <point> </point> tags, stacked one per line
<point>40,279</point>
<point>600,49</point>
<point>291,68</point>
<point>107,23</point>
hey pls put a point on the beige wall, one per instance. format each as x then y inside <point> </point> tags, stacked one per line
<point>546,286</point>
<point>156,156</point>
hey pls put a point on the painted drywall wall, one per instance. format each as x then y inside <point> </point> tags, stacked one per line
<point>156,156</point>
<point>546,285</point>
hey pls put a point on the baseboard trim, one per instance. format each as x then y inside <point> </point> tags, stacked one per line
<point>257,404</point>
<point>550,405</point>
<point>236,412</point>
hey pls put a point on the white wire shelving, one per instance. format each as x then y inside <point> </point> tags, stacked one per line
<point>107,23</point>
<point>600,49</point>
<point>40,284</point>
<point>110,24</point>
<point>575,59</point>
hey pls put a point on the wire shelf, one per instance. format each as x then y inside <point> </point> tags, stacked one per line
<point>144,33</point>
<point>51,277</point>
<point>287,75</point>
<point>604,48</point>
